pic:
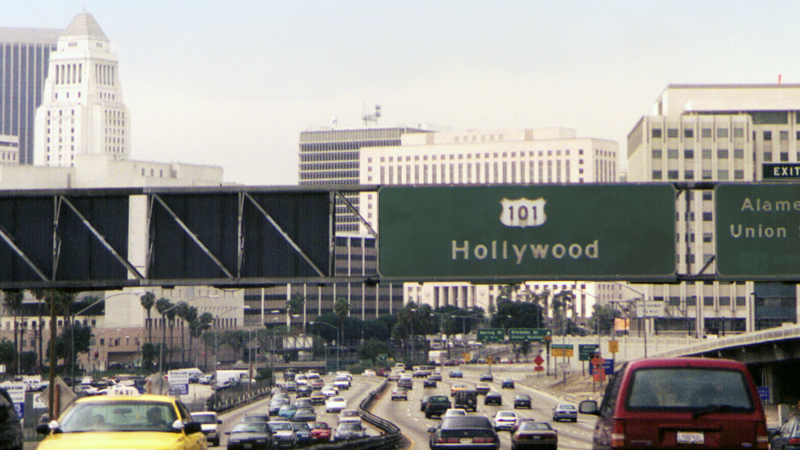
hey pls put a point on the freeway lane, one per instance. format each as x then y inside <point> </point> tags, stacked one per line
<point>407,415</point>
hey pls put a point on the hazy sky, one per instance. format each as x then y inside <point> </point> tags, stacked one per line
<point>234,83</point>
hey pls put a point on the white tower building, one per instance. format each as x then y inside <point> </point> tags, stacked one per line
<point>82,111</point>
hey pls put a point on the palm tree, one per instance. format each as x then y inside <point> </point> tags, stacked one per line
<point>342,309</point>
<point>162,305</point>
<point>13,299</point>
<point>171,313</point>
<point>148,300</point>
<point>199,328</point>
<point>187,314</point>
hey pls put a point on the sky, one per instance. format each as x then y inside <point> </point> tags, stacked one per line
<point>234,83</point>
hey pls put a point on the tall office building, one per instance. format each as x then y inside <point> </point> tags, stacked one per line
<point>492,157</point>
<point>24,63</point>
<point>715,133</point>
<point>331,158</point>
<point>82,111</point>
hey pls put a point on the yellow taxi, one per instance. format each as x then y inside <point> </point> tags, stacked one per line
<point>124,419</point>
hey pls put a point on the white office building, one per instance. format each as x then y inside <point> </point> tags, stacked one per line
<point>715,133</point>
<point>491,157</point>
<point>82,110</point>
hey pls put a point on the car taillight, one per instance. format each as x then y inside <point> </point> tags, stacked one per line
<point>762,439</point>
<point>448,440</point>
<point>618,433</point>
<point>483,440</point>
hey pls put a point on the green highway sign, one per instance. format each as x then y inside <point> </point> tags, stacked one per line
<point>527,334</point>
<point>490,335</point>
<point>757,231</point>
<point>587,351</point>
<point>536,232</point>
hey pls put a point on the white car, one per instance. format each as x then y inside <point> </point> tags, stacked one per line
<point>455,412</point>
<point>335,405</point>
<point>505,420</point>
<point>329,391</point>
<point>369,373</point>
<point>349,415</point>
<point>341,382</point>
<point>345,373</point>
<point>208,423</point>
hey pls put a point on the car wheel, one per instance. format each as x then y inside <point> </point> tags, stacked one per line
<point>427,415</point>
<point>574,420</point>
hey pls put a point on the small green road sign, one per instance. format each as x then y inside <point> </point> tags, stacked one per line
<point>490,335</point>
<point>544,232</point>
<point>587,351</point>
<point>527,334</point>
<point>757,231</point>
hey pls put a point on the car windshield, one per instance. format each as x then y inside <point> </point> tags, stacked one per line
<point>302,426</point>
<point>350,426</point>
<point>280,426</point>
<point>251,427</point>
<point>320,426</point>
<point>688,388</point>
<point>349,413</point>
<point>204,418</point>
<point>566,407</point>
<point>119,416</point>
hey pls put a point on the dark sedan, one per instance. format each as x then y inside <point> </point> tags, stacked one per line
<point>493,398</point>
<point>456,374</point>
<point>487,377</point>
<point>530,435</point>
<point>507,384</point>
<point>349,430</point>
<point>428,383</point>
<point>305,415</point>
<point>250,436</point>
<point>464,433</point>
<point>522,401</point>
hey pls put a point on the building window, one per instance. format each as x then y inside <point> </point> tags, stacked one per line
<point>738,174</point>
<point>672,154</point>
<point>708,195</point>
<point>691,300</point>
<point>708,216</point>
<point>657,133</point>
<point>768,135</point>
<point>722,175</point>
<point>672,132</point>
<point>767,156</point>
<point>724,301</point>
<point>722,153</point>
<point>706,133</point>
<point>688,154</point>
<point>656,174</point>
<point>784,156</point>
<point>688,133</point>
<point>707,153</point>
<point>656,154</point>
<point>707,175</point>
<point>708,301</point>
<point>689,174</point>
<point>738,153</point>
<point>741,301</point>
<point>672,174</point>
<point>708,237</point>
<point>738,132</point>
<point>722,133</point>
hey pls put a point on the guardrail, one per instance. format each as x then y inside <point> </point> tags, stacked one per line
<point>758,337</point>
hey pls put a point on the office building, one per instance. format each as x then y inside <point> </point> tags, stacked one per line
<point>82,110</point>
<point>24,63</point>
<point>715,133</point>
<point>491,157</point>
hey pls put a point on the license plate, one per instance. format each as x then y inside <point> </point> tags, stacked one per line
<point>465,440</point>
<point>691,437</point>
<point>248,445</point>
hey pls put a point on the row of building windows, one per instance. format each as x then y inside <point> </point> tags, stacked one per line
<point>705,154</point>
<point>66,93</point>
<point>329,166</point>
<point>334,176</point>
<point>104,74</point>
<point>9,156</point>
<point>331,146</point>
<point>495,155</point>
<point>468,173</point>
<point>328,156</point>
<point>708,175</point>
<point>68,73</point>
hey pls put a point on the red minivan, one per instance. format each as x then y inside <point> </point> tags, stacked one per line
<point>679,403</point>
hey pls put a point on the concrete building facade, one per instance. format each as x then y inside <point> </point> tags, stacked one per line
<point>719,133</point>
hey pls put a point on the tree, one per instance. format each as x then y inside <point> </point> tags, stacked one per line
<point>562,303</point>
<point>13,300</point>
<point>74,339</point>
<point>341,307</point>
<point>8,352</point>
<point>188,314</point>
<point>148,300</point>
<point>162,305</point>
<point>602,319</point>
<point>372,348</point>
<point>295,306</point>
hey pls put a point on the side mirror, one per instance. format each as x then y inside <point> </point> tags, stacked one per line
<point>589,407</point>
<point>431,430</point>
<point>192,428</point>
<point>219,422</point>
<point>43,429</point>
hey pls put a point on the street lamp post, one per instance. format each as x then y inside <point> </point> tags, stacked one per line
<point>338,344</point>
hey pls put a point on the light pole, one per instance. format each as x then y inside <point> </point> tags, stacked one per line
<point>338,344</point>
<point>275,318</point>
<point>216,333</point>
<point>72,323</point>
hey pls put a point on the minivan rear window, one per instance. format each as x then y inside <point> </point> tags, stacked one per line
<point>680,388</point>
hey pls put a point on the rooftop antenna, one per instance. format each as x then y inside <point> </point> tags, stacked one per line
<point>372,117</point>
